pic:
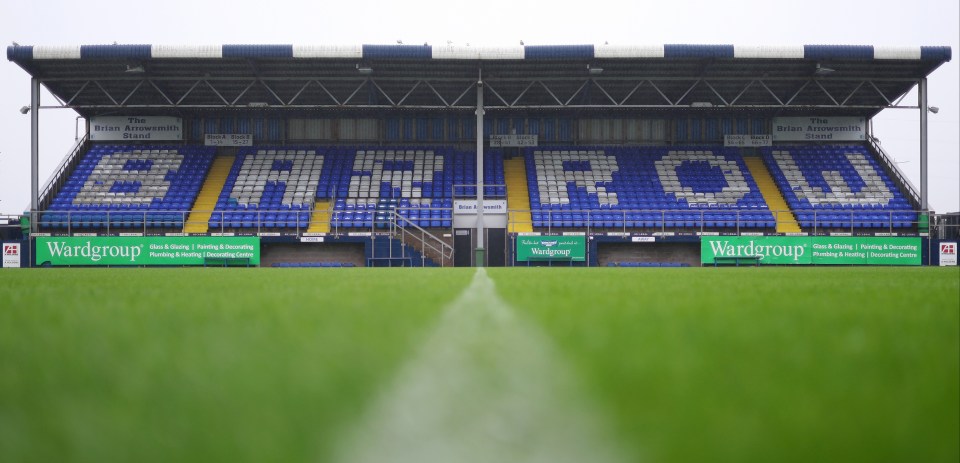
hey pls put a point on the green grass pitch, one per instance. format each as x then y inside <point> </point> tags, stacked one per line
<point>688,365</point>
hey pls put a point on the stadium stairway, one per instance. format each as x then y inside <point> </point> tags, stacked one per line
<point>386,251</point>
<point>198,221</point>
<point>786,221</point>
<point>518,195</point>
<point>320,218</point>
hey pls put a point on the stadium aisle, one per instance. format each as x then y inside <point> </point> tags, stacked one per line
<point>485,386</point>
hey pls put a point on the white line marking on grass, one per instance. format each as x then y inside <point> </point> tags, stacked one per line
<point>486,386</point>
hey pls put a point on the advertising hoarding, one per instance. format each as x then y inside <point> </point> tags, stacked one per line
<point>144,251</point>
<point>565,248</point>
<point>814,250</point>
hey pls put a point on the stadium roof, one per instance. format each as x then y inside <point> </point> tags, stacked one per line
<point>856,80</point>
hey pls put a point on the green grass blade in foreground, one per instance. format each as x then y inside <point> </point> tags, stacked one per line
<point>231,365</point>
<point>761,365</point>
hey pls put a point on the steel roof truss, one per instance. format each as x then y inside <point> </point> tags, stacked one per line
<point>522,93</point>
<point>463,94</point>
<point>330,94</point>
<point>357,90</point>
<point>409,92</point>
<point>189,91</point>
<point>105,92</point>
<point>435,92</point>
<point>797,93</point>
<point>771,92</point>
<point>497,94</point>
<point>747,87</point>
<point>882,95</point>
<point>825,92</point>
<point>550,92</point>
<point>224,100</point>
<point>377,86</point>
<point>577,92</point>
<point>279,100</point>
<point>695,83</point>
<point>244,92</point>
<point>132,92</point>
<point>604,91</point>
<point>295,96</point>
<point>896,104</point>
<point>855,89</point>
<point>75,95</point>
<point>665,98</point>
<point>715,92</point>
<point>631,92</point>
<point>161,92</point>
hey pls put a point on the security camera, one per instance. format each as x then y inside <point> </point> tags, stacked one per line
<point>479,84</point>
<point>934,109</point>
<point>24,110</point>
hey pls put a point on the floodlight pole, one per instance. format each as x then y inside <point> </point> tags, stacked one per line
<point>479,253</point>
<point>34,153</point>
<point>924,206</point>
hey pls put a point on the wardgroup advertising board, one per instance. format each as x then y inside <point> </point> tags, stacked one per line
<point>151,250</point>
<point>567,248</point>
<point>814,250</point>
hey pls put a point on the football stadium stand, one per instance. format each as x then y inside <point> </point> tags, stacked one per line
<point>694,187</point>
<point>838,187</point>
<point>367,153</point>
<point>651,188</point>
<point>130,186</point>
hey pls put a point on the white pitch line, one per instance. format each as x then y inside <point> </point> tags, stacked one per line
<point>485,387</point>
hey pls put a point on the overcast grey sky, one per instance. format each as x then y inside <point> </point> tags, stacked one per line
<point>490,22</point>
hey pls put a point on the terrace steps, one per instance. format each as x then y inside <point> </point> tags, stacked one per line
<point>320,218</point>
<point>518,196</point>
<point>786,221</point>
<point>199,218</point>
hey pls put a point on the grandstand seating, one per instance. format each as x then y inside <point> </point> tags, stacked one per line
<point>838,187</point>
<point>271,188</point>
<point>275,187</point>
<point>644,188</point>
<point>116,186</point>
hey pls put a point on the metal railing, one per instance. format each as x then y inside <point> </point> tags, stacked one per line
<point>429,244</point>
<point>894,170</point>
<point>710,220</point>
<point>59,177</point>
<point>548,221</point>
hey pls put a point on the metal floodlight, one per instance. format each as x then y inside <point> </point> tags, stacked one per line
<point>933,109</point>
<point>138,69</point>
<point>24,110</point>
<point>594,70</point>
<point>364,69</point>
<point>823,70</point>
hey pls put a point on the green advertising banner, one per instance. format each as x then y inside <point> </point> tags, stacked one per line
<point>148,250</point>
<point>814,250</point>
<point>569,248</point>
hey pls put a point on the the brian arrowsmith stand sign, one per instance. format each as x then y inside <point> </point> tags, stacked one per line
<point>131,128</point>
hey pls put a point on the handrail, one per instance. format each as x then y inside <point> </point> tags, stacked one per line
<point>895,170</point>
<point>852,219</point>
<point>594,221</point>
<point>56,178</point>
<point>397,221</point>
